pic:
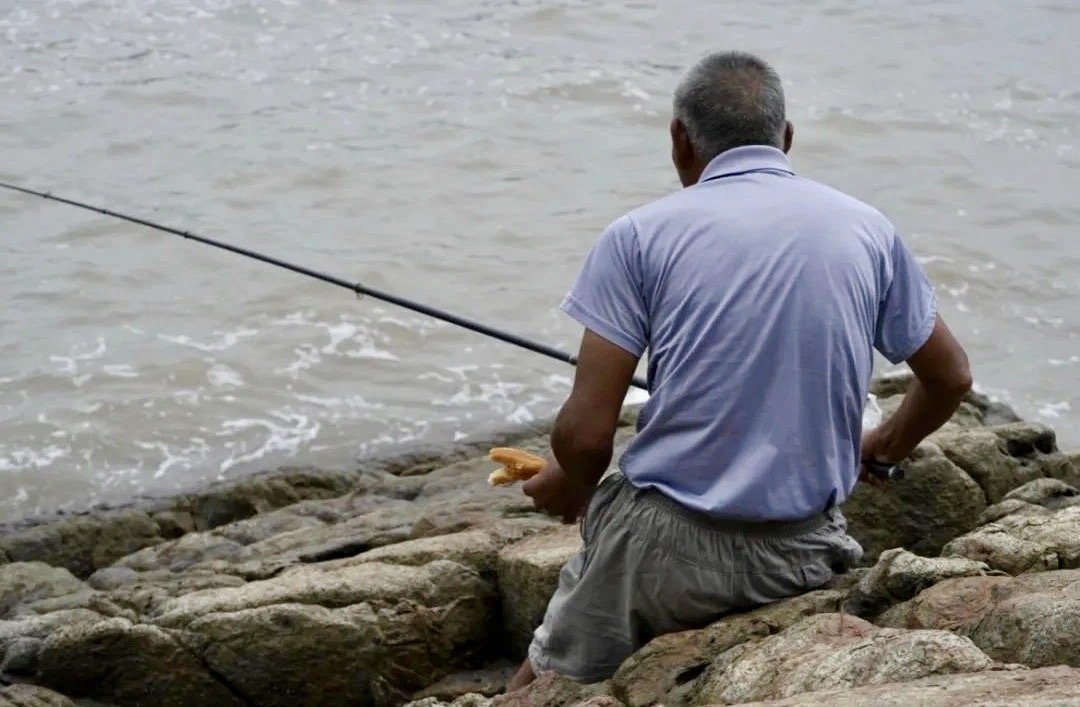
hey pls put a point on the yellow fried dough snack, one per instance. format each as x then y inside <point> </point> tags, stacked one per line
<point>517,465</point>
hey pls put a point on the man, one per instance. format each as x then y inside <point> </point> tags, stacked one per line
<point>760,296</point>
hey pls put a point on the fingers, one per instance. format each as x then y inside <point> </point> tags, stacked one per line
<point>867,477</point>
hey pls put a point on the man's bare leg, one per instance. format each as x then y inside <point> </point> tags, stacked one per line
<point>522,677</point>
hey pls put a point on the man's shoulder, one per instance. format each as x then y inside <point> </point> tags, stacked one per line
<point>842,202</point>
<point>813,193</point>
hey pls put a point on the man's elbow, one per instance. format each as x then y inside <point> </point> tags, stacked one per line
<point>582,449</point>
<point>954,383</point>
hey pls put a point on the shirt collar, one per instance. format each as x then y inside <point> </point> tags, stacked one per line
<point>740,160</point>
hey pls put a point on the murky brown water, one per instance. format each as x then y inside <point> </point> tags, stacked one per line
<point>465,154</point>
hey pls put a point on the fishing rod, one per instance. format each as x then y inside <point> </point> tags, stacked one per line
<point>356,287</point>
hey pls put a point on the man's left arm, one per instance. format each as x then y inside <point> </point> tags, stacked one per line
<point>582,440</point>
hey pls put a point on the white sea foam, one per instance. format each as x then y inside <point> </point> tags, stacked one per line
<point>221,376</point>
<point>1054,410</point>
<point>28,458</point>
<point>119,370</point>
<point>221,341</point>
<point>284,437</point>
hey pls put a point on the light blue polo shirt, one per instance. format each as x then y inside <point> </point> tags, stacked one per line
<point>760,297</point>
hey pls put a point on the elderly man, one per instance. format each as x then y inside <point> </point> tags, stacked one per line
<point>760,297</point>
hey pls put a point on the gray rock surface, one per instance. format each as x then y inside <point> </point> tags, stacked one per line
<point>415,578</point>
<point>24,583</point>
<point>934,503</point>
<point>899,575</point>
<point>1033,619</point>
<point>830,651</point>
<point>1030,539</point>
<point>665,669</point>
<point>1046,687</point>
<point>31,696</point>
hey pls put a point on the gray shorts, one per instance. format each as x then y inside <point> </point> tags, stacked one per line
<point>650,566</point>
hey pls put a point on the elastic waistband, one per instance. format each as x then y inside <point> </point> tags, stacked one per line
<point>760,529</point>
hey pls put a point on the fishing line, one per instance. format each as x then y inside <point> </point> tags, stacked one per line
<point>356,287</point>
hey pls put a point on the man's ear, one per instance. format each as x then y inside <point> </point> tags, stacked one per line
<point>682,152</point>
<point>789,136</point>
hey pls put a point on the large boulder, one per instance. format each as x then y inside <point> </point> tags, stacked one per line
<point>1045,687</point>
<point>478,548</point>
<point>1032,538</point>
<point>936,502</point>
<point>431,584</point>
<point>21,639</point>
<point>1035,444</point>
<point>82,544</point>
<point>32,696</point>
<point>984,456</point>
<point>667,666</point>
<point>1033,619</point>
<point>528,573</point>
<point>899,575</point>
<point>23,583</point>
<point>120,662</point>
<point>552,690</point>
<point>830,651</point>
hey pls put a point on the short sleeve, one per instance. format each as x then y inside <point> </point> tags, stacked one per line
<point>908,307</point>
<point>607,296</point>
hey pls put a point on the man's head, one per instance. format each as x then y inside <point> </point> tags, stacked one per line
<point>729,99</point>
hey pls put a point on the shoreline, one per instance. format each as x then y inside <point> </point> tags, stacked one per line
<point>417,580</point>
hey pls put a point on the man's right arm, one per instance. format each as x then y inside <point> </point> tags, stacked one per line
<point>942,379</point>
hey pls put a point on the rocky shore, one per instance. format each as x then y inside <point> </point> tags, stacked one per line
<point>416,581</point>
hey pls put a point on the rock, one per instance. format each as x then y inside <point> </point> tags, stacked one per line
<point>260,527</point>
<point>551,690</point>
<point>377,647</point>
<point>899,575</point>
<point>469,700</point>
<point>935,503</point>
<point>178,555</point>
<point>82,544</point>
<point>1045,687</point>
<point>1036,444</point>
<point>1048,493</point>
<point>20,658</point>
<point>292,654</point>
<point>432,584</point>
<point>1032,619</point>
<point>31,696</point>
<point>1024,541</point>
<point>1038,626</point>
<point>112,578</point>
<point>830,651</point>
<point>983,455</point>
<point>24,583</point>
<point>173,523</point>
<point>1006,507</point>
<point>21,640</point>
<point>120,662</point>
<point>951,604</point>
<point>478,549</point>
<point>528,574</point>
<point>668,664</point>
<point>229,502</point>
<point>485,681</point>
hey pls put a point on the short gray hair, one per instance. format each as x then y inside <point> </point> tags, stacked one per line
<point>731,99</point>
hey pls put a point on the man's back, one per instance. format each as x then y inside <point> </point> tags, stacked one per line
<point>759,296</point>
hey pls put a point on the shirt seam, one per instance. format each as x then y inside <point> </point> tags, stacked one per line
<point>923,335</point>
<point>600,325</point>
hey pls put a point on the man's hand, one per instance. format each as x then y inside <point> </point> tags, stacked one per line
<point>873,450</point>
<point>556,493</point>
